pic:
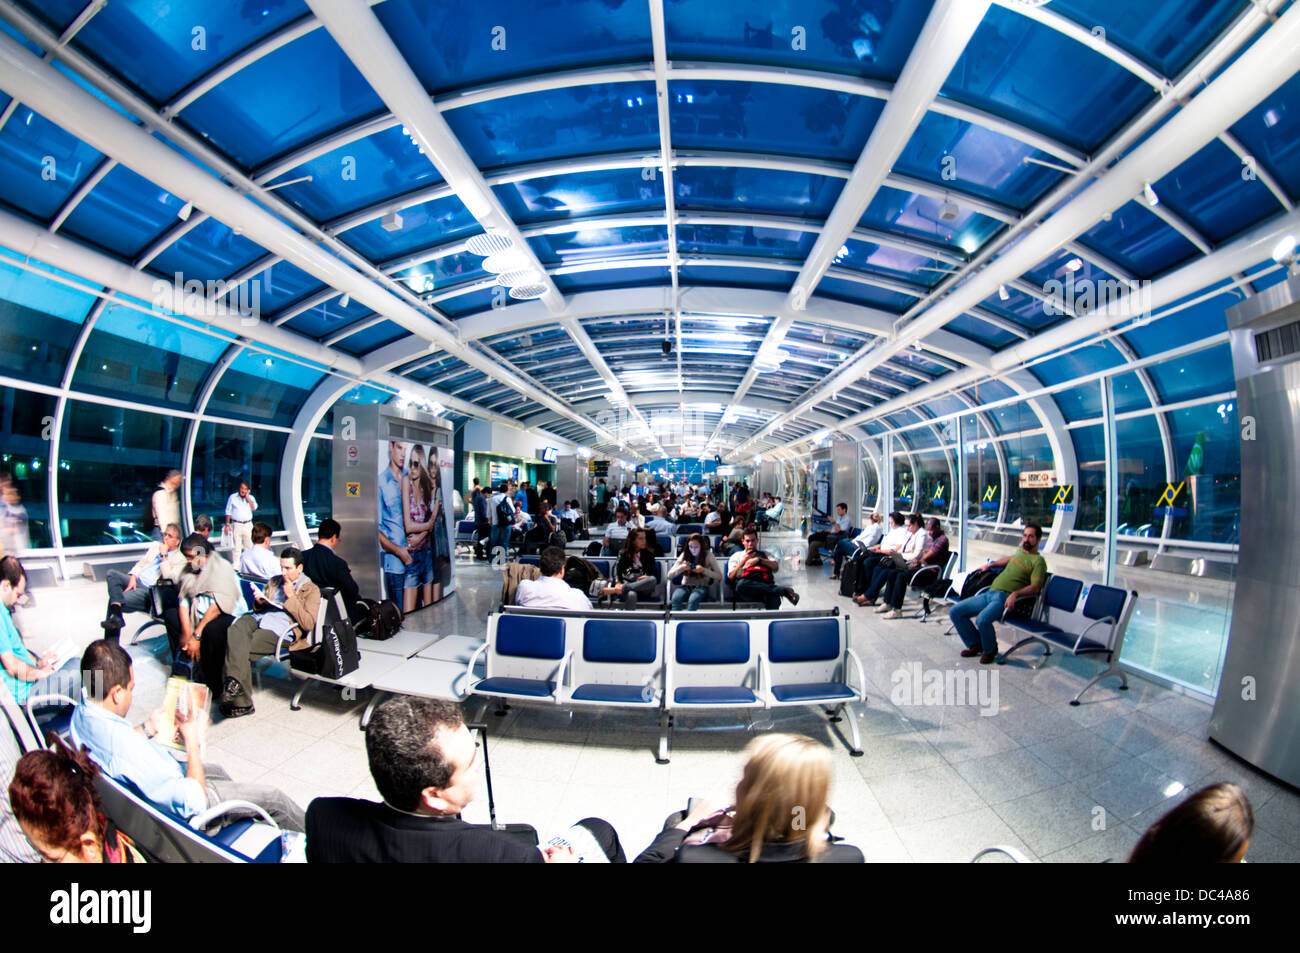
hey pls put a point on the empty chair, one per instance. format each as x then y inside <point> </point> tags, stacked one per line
<point>809,662</point>
<point>621,663</point>
<point>527,657</point>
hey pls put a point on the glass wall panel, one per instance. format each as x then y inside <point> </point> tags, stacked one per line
<point>984,489</point>
<point>260,387</point>
<point>934,483</point>
<point>870,485</point>
<point>26,420</point>
<point>1028,502</point>
<point>904,481</point>
<point>141,357</point>
<point>1207,459</point>
<point>110,462</point>
<point>1141,471</point>
<point>1090,495</point>
<point>224,455</point>
<point>316,487</point>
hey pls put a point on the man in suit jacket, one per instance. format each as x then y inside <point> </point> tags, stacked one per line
<point>133,591</point>
<point>329,570</point>
<point>422,758</point>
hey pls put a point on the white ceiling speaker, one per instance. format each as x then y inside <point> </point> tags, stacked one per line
<point>489,243</point>
<point>392,222</point>
<point>949,210</point>
<point>527,292</point>
<point>504,262</point>
<point>524,276</point>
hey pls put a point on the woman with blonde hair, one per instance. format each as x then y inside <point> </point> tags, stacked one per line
<point>781,813</point>
<point>418,513</point>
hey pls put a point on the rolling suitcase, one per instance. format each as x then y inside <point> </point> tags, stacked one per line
<point>848,577</point>
<point>524,833</point>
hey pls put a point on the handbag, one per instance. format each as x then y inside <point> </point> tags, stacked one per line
<point>335,656</point>
<point>227,537</point>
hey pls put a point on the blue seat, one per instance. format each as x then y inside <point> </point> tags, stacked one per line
<point>526,657</point>
<point>808,662</point>
<point>714,695</point>
<point>711,664</point>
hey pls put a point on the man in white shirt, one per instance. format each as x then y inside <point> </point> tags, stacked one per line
<point>913,541</point>
<point>616,530</point>
<point>166,503</point>
<point>550,591</point>
<point>870,536</point>
<point>840,527</point>
<point>258,560</point>
<point>239,518</point>
<point>133,591</point>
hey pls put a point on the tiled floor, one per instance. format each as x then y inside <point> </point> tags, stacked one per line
<point>936,783</point>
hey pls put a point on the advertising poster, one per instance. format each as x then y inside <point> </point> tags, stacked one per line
<point>415,523</point>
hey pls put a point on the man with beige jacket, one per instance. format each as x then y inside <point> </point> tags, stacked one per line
<point>288,611</point>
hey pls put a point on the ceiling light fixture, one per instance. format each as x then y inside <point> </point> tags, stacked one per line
<point>1003,293</point>
<point>489,243</point>
<point>1149,195</point>
<point>345,301</point>
<point>1074,264</point>
<point>186,210</point>
<point>949,211</point>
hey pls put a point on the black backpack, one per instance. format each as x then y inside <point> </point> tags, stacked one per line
<point>505,512</point>
<point>382,620</point>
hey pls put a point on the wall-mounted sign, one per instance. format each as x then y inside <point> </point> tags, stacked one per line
<point>1037,479</point>
<point>1167,504</point>
<point>1064,499</point>
<point>354,490</point>
<point>988,502</point>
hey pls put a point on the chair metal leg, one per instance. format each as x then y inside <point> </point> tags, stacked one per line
<point>856,750</point>
<point>665,737</point>
<point>1114,669</point>
<point>297,696</point>
<point>375,698</point>
<point>1047,649</point>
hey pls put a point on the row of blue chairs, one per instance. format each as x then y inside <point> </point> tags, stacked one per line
<point>707,661</point>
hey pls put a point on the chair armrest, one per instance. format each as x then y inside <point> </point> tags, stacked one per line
<point>205,818</point>
<point>764,675</point>
<point>1011,852</point>
<point>469,666</point>
<point>857,664</point>
<point>1108,620</point>
<point>921,572</point>
<point>562,674</point>
<point>41,701</point>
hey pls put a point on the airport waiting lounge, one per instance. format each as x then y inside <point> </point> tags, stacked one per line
<point>659,431</point>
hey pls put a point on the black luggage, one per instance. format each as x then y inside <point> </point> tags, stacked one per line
<point>379,620</point>
<point>848,577</point>
<point>334,657</point>
<point>593,548</point>
<point>524,833</point>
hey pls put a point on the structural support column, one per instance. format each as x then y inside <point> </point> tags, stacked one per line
<point>959,494</point>
<point>886,473</point>
<point>1112,480</point>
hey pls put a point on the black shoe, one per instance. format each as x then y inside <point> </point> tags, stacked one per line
<point>113,622</point>
<point>231,690</point>
<point>235,711</point>
<point>971,653</point>
<point>792,596</point>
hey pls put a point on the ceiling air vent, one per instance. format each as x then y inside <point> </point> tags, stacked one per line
<point>527,292</point>
<point>1277,342</point>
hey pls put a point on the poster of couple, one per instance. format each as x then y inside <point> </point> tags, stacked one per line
<point>415,523</point>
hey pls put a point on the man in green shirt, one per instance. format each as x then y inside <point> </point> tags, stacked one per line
<point>1022,577</point>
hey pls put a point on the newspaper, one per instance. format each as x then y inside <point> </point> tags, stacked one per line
<point>184,700</point>
<point>580,840</point>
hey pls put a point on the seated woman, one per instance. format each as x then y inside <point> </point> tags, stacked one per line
<point>55,803</point>
<point>780,815</point>
<point>697,569</point>
<point>735,538</point>
<point>1213,826</point>
<point>634,572</point>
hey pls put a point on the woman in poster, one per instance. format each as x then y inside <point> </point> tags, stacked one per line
<point>417,497</point>
<point>441,546</point>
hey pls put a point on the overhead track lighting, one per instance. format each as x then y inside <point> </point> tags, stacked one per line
<point>1149,195</point>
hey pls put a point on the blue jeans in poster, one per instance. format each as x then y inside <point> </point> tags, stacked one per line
<point>985,609</point>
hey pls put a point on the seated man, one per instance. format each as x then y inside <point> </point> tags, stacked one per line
<point>20,667</point>
<point>1022,578</point>
<point>895,561</point>
<point>872,556</point>
<point>751,573</point>
<point>550,591</point>
<point>294,602</point>
<point>133,591</point>
<point>209,599</point>
<point>572,522</point>
<point>422,759</point>
<point>664,530</point>
<point>616,532</point>
<point>840,527</point>
<point>330,571</point>
<point>870,536</point>
<point>771,514</point>
<point>258,560</point>
<point>125,753</point>
<point>934,552</point>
